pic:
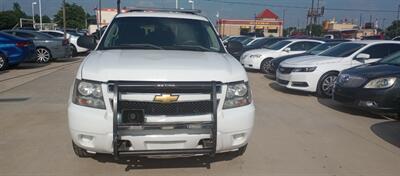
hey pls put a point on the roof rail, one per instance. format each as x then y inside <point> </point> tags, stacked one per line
<point>189,11</point>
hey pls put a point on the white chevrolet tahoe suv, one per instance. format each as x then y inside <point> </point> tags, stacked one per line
<point>160,84</point>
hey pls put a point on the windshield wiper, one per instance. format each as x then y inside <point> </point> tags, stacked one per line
<point>192,47</point>
<point>137,46</point>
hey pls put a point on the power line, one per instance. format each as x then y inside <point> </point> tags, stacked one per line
<point>300,7</point>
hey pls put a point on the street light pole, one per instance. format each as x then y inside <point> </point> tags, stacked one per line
<point>192,3</point>
<point>33,14</point>
<point>40,14</point>
<point>64,21</point>
<point>177,4</point>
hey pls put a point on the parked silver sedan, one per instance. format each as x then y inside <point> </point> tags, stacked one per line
<point>47,46</point>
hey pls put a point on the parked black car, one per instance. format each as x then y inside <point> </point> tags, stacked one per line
<point>270,68</point>
<point>375,86</point>
<point>259,43</point>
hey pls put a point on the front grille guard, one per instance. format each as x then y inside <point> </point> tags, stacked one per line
<point>211,88</point>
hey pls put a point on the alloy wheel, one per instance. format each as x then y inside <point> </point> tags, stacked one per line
<point>327,84</point>
<point>2,62</point>
<point>42,55</point>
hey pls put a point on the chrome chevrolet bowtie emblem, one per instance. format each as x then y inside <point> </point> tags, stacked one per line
<point>166,98</point>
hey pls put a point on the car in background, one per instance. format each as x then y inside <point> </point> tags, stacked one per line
<point>47,46</point>
<point>272,66</point>
<point>396,38</point>
<point>258,44</point>
<point>73,40</point>
<point>239,38</point>
<point>14,50</point>
<point>257,59</point>
<point>374,87</point>
<point>318,73</point>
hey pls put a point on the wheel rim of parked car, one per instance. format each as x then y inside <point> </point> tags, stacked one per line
<point>266,66</point>
<point>2,62</point>
<point>327,84</point>
<point>42,55</point>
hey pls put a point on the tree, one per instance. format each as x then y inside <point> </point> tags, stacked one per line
<point>316,29</point>
<point>45,19</point>
<point>393,30</point>
<point>75,16</point>
<point>19,13</point>
<point>8,19</point>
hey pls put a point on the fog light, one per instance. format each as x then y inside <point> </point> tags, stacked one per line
<point>238,136</point>
<point>86,140</point>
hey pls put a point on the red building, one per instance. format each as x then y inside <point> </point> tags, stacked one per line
<point>266,23</point>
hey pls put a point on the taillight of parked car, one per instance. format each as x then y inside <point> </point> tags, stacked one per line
<point>22,44</point>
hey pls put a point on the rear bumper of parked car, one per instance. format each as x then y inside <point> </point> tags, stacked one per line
<point>92,130</point>
<point>298,80</point>
<point>376,100</point>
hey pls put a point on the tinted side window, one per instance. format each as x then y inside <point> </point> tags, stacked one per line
<point>309,45</point>
<point>303,46</point>
<point>393,48</point>
<point>55,34</point>
<point>378,50</point>
<point>24,35</point>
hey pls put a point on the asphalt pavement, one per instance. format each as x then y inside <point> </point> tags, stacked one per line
<point>296,134</point>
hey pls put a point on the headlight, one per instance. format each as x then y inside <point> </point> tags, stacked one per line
<point>88,93</point>
<point>304,69</point>
<point>381,83</point>
<point>255,56</point>
<point>237,94</point>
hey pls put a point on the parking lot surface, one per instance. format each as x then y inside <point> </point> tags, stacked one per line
<point>295,134</point>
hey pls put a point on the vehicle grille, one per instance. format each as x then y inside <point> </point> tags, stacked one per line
<point>285,70</point>
<point>170,109</point>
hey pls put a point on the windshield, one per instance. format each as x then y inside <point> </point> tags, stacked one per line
<point>247,41</point>
<point>279,45</point>
<point>161,33</point>
<point>343,50</point>
<point>393,59</point>
<point>320,48</point>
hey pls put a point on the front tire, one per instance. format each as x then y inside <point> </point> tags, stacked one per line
<point>74,51</point>
<point>43,55</point>
<point>265,65</point>
<point>326,83</point>
<point>3,62</point>
<point>80,152</point>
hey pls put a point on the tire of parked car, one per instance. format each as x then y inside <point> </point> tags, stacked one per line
<point>325,84</point>
<point>80,152</point>
<point>3,62</point>
<point>43,55</point>
<point>74,51</point>
<point>265,64</point>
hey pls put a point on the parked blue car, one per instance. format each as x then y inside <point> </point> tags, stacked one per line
<point>14,50</point>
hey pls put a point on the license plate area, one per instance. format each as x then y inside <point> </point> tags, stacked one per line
<point>132,116</point>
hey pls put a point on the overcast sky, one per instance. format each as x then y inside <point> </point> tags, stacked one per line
<point>294,13</point>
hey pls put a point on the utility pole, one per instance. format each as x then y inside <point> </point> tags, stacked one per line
<point>40,14</point>
<point>118,6</point>
<point>64,21</point>
<point>177,4</point>
<point>99,13</point>
<point>33,14</point>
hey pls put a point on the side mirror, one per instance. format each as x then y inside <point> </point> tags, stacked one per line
<point>87,42</point>
<point>287,50</point>
<point>234,46</point>
<point>363,56</point>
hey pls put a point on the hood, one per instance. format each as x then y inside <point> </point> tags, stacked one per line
<point>278,60</point>
<point>312,60</point>
<point>373,70</point>
<point>161,65</point>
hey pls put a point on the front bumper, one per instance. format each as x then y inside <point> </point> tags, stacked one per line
<point>375,100</point>
<point>303,81</point>
<point>92,130</point>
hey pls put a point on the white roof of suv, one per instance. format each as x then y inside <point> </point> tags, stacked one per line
<point>163,15</point>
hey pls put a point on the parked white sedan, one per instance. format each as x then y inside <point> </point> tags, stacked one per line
<point>255,59</point>
<point>319,73</point>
